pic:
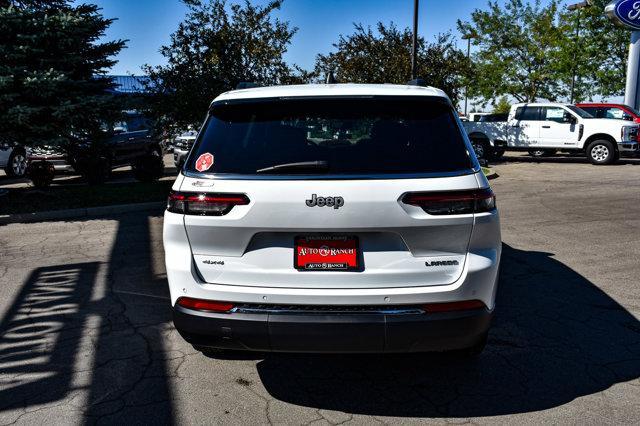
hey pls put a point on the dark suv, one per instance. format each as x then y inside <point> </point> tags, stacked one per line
<point>131,141</point>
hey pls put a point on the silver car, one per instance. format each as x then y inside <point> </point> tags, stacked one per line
<point>333,218</point>
<point>13,159</point>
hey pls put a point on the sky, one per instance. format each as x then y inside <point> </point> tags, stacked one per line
<point>148,24</point>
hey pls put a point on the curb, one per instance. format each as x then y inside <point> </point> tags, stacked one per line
<point>93,212</point>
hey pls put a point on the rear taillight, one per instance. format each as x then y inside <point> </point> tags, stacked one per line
<point>204,204</point>
<point>465,305</point>
<point>454,202</point>
<point>204,305</point>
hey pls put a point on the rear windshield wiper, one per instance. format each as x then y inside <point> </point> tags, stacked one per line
<point>304,165</point>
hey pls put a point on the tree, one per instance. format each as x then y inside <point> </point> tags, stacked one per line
<point>517,50</point>
<point>214,49</point>
<point>384,56</point>
<point>597,55</point>
<point>502,106</point>
<point>52,85</point>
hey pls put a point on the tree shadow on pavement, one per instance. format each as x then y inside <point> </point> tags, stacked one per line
<point>555,337</point>
<point>90,336</point>
<point>39,369</point>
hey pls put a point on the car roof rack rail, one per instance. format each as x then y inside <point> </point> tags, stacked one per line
<point>247,85</point>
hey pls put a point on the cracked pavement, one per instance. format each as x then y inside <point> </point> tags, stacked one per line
<point>86,333</point>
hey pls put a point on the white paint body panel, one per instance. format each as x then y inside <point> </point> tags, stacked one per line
<point>255,242</point>
<point>246,256</point>
<point>547,133</point>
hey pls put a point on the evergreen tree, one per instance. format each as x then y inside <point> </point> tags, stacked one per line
<point>52,85</point>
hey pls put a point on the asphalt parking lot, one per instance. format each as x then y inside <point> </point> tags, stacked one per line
<point>86,333</point>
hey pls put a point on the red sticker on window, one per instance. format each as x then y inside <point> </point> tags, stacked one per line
<point>204,162</point>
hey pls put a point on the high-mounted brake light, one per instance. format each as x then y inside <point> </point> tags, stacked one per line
<point>204,204</point>
<point>204,305</point>
<point>453,202</point>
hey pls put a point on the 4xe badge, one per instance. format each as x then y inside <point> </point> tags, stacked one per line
<point>204,162</point>
<point>335,202</point>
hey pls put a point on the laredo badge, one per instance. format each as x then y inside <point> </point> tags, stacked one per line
<point>204,162</point>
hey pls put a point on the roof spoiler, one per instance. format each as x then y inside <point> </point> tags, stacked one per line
<point>247,85</point>
<point>417,82</point>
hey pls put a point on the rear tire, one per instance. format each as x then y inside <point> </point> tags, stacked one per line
<point>149,168</point>
<point>481,148</point>
<point>601,152</point>
<point>41,173</point>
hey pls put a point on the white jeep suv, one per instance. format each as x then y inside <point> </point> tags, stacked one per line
<point>332,218</point>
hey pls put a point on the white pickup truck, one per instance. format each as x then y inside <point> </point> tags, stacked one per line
<point>544,128</point>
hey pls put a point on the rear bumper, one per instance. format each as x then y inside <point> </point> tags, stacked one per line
<point>333,333</point>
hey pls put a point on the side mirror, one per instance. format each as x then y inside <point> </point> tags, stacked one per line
<point>568,118</point>
<point>627,117</point>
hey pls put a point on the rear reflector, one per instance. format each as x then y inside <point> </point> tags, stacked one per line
<point>204,305</point>
<point>464,305</point>
<point>454,202</point>
<point>204,204</point>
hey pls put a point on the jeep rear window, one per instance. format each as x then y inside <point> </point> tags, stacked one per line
<point>349,136</point>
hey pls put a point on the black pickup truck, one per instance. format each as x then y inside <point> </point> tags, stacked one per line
<point>130,143</point>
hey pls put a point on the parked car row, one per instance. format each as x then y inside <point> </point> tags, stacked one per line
<point>182,144</point>
<point>545,128</point>
<point>601,131</point>
<point>129,142</point>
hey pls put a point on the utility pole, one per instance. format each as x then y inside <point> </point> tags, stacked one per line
<point>573,7</point>
<point>468,37</point>
<point>414,47</point>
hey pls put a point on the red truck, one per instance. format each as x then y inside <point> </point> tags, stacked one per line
<point>615,111</point>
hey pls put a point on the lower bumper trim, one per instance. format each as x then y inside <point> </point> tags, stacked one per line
<point>333,332</point>
<point>629,147</point>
